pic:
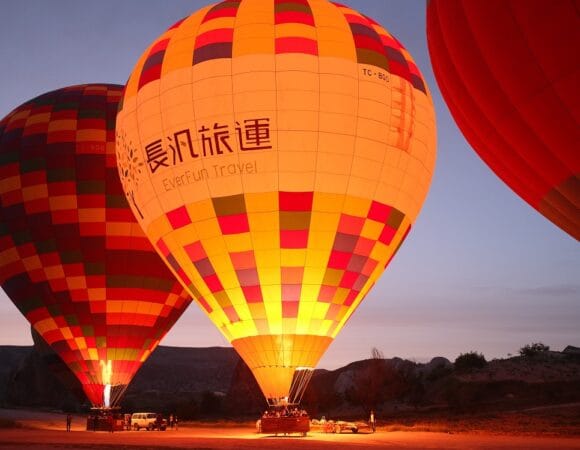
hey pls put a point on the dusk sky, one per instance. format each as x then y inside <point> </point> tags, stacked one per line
<point>481,270</point>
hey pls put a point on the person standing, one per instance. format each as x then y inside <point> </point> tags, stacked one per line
<point>372,421</point>
<point>171,421</point>
<point>68,422</point>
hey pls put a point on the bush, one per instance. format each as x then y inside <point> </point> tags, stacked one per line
<point>531,350</point>
<point>469,361</point>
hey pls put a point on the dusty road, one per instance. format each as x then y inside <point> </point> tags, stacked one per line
<point>245,439</point>
<point>48,433</point>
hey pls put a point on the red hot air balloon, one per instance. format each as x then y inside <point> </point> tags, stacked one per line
<point>510,73</point>
<point>72,257</point>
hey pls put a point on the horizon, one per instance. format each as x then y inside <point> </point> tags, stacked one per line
<point>416,360</point>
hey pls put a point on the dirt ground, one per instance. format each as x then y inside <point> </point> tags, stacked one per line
<point>44,431</point>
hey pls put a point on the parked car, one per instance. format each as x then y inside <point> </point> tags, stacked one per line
<point>148,420</point>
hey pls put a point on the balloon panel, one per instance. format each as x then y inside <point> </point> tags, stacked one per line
<point>74,260</point>
<point>276,154</point>
<point>291,263</point>
<point>506,71</point>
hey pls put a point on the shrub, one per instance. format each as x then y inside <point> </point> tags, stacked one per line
<point>469,361</point>
<point>531,350</point>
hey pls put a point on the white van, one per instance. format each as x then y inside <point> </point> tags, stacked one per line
<point>148,420</point>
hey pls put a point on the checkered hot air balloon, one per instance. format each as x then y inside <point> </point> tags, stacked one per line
<point>73,259</point>
<point>276,153</point>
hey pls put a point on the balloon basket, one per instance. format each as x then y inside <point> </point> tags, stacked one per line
<point>283,421</point>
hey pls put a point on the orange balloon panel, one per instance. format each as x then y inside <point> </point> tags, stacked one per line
<point>276,153</point>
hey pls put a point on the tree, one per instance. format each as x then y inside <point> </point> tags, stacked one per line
<point>376,354</point>
<point>534,349</point>
<point>469,361</point>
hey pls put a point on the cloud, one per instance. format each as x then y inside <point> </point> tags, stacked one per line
<point>563,290</point>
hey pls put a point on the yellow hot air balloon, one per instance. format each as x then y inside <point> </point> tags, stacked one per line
<point>277,153</point>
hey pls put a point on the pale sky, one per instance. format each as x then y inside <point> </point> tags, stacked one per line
<point>481,270</point>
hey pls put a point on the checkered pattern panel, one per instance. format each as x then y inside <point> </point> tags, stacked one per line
<point>216,40</point>
<point>295,29</point>
<point>377,47</point>
<point>253,281</point>
<point>352,261</point>
<point>73,259</point>
<point>280,27</point>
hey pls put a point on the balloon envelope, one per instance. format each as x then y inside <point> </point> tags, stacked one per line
<point>277,153</point>
<point>72,257</point>
<point>509,72</point>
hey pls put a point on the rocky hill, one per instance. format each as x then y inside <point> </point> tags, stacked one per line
<point>214,382</point>
<point>36,377</point>
<point>10,359</point>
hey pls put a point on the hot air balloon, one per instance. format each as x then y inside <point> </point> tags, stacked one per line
<point>509,72</point>
<point>276,153</point>
<point>72,257</point>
